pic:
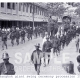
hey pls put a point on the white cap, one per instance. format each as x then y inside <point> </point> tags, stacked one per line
<point>5,56</point>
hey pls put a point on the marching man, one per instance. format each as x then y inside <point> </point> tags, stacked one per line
<point>4,40</point>
<point>23,35</point>
<point>77,42</point>
<point>47,46</point>
<point>44,39</point>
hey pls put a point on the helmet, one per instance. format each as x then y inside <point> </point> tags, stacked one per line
<point>47,37</point>
<point>37,45</point>
<point>5,56</point>
<point>66,17</point>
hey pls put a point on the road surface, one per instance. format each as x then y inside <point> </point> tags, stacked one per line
<point>20,57</point>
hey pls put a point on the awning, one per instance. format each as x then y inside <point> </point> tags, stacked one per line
<point>13,18</point>
<point>9,17</point>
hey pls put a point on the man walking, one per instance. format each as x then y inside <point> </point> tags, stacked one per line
<point>77,42</point>
<point>36,57</point>
<point>47,46</point>
<point>4,40</point>
<point>17,36</point>
<point>12,37</point>
<point>23,35</point>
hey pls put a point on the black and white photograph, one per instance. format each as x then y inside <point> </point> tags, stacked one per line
<point>39,38</point>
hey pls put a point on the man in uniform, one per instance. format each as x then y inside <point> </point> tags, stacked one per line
<point>63,40</point>
<point>44,39</point>
<point>6,68</point>
<point>17,36</point>
<point>67,28</point>
<point>23,35</point>
<point>66,22</point>
<point>77,42</point>
<point>36,32</point>
<point>59,44</point>
<point>30,32</point>
<point>4,40</point>
<point>55,45</point>
<point>12,37</point>
<point>36,57</point>
<point>47,46</point>
<point>74,29</point>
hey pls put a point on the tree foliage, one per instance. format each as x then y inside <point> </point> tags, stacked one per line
<point>56,9</point>
<point>78,11</point>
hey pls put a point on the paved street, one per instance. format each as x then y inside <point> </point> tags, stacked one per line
<point>20,57</point>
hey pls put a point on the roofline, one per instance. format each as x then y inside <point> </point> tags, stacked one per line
<point>35,3</point>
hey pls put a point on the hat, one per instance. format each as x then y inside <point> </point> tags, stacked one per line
<point>47,37</point>
<point>5,56</point>
<point>64,17</point>
<point>37,45</point>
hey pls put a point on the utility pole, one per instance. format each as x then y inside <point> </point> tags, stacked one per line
<point>33,16</point>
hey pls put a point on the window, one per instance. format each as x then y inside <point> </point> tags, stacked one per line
<point>31,9</point>
<point>43,13</point>
<point>8,5</point>
<point>19,6</point>
<point>2,4</point>
<point>13,6</point>
<point>23,7</point>
<point>27,7</point>
<point>40,11</point>
<point>36,9</point>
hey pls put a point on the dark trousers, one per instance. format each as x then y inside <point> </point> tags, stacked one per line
<point>63,44</point>
<point>4,44</point>
<point>23,39</point>
<point>77,47</point>
<point>37,68</point>
<point>12,42</point>
<point>29,36</point>
<point>17,40</point>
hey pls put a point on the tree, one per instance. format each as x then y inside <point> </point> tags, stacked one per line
<point>78,11</point>
<point>56,9</point>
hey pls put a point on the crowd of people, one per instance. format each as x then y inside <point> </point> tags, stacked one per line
<point>17,34</point>
<point>56,41</point>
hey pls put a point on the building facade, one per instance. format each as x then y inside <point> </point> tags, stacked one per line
<point>22,14</point>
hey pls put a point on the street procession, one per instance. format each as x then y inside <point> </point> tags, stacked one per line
<point>39,38</point>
